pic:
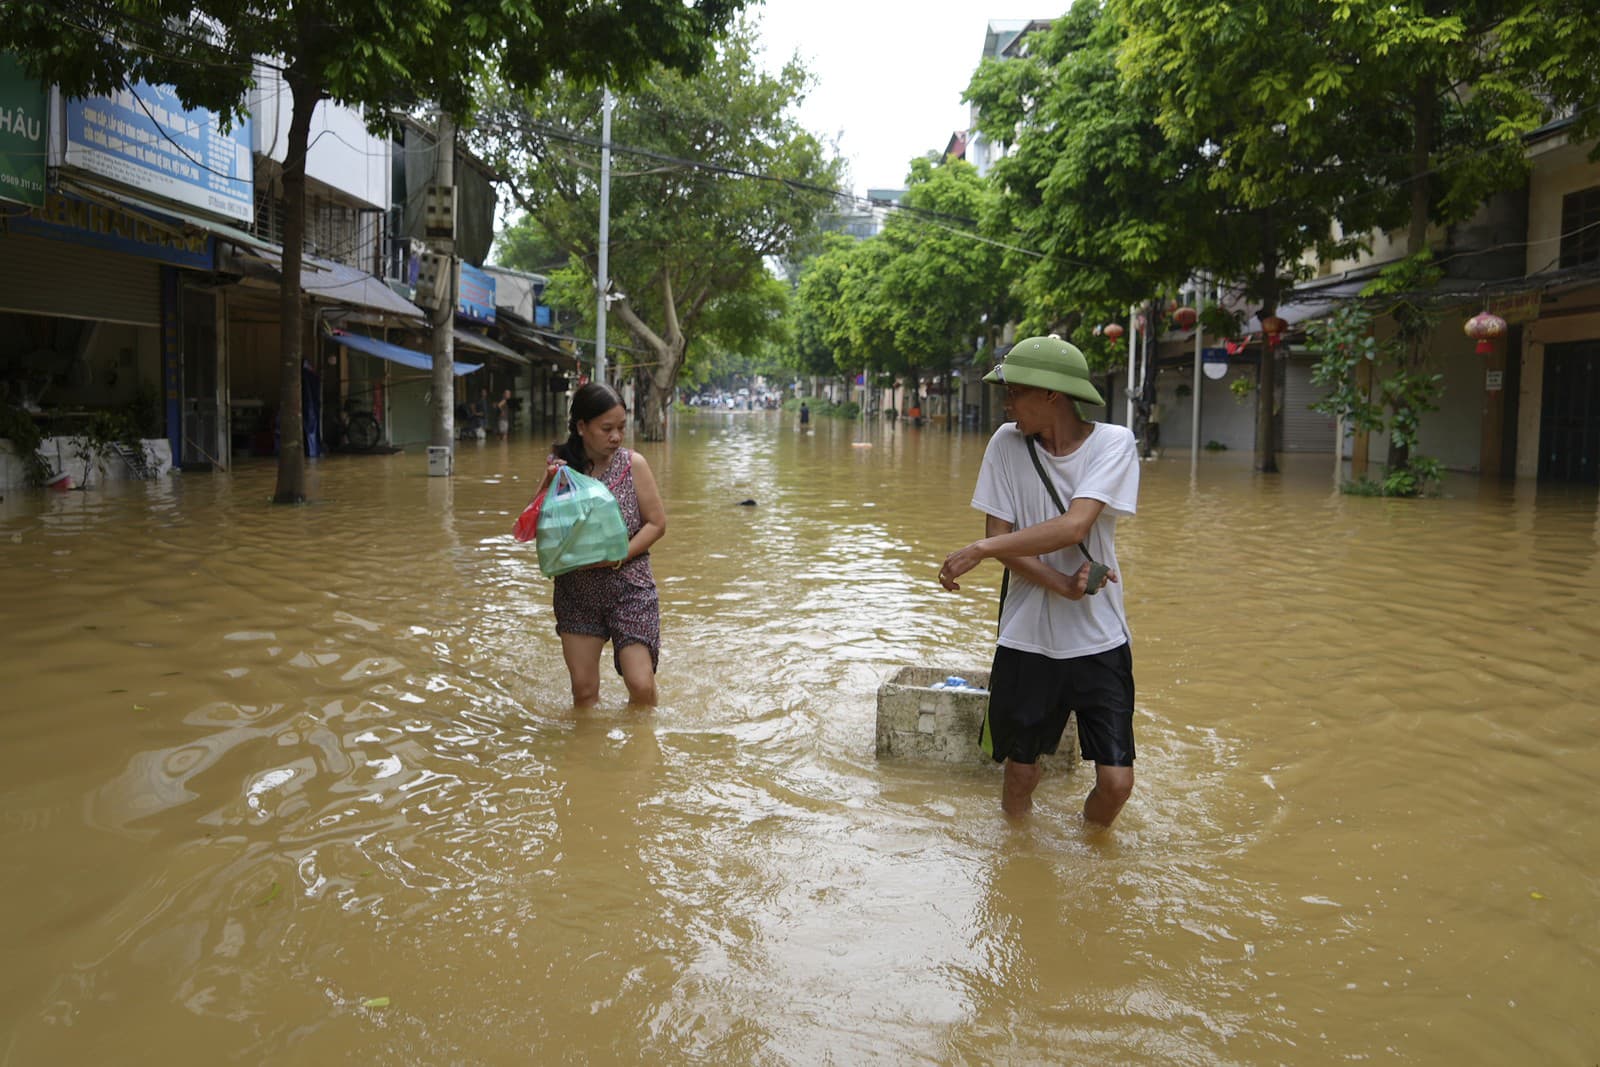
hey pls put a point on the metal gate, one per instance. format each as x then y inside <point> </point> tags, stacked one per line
<point>1304,430</point>
<point>1569,421</point>
<point>43,277</point>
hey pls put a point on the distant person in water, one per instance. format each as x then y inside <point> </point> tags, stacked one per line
<point>503,407</point>
<point>805,415</point>
<point>614,602</point>
<point>1052,486</point>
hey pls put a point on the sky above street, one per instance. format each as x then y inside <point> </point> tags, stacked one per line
<point>889,74</point>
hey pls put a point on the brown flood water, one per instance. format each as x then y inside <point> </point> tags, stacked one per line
<point>262,766</point>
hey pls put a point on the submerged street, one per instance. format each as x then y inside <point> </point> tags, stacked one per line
<point>304,784</point>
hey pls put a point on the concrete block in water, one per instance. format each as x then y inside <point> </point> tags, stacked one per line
<point>917,721</point>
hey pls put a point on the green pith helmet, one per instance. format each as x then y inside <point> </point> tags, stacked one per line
<point>1047,363</point>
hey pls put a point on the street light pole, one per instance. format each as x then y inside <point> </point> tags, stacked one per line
<point>1199,345</point>
<point>601,279</point>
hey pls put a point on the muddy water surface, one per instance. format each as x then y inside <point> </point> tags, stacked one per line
<point>303,785</point>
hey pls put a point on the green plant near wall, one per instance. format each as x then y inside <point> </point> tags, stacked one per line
<point>18,427</point>
<point>1347,343</point>
<point>1241,388</point>
<point>98,440</point>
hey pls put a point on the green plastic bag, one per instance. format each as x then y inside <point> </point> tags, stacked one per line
<point>580,524</point>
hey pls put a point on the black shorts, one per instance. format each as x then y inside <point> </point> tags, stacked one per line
<point>1031,695</point>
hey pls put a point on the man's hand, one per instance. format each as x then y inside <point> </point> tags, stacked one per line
<point>960,562</point>
<point>1076,584</point>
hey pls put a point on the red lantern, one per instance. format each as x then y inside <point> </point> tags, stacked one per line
<point>1186,317</point>
<point>1114,332</point>
<point>1485,329</point>
<point>1273,327</point>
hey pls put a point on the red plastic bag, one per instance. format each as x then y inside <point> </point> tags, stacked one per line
<point>528,522</point>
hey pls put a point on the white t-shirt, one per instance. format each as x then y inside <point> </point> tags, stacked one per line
<point>1105,468</point>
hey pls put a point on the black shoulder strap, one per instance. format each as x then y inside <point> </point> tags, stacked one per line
<point>1050,487</point>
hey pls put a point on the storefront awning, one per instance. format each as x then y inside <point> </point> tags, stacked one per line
<point>545,346</point>
<point>394,353</point>
<point>324,279</point>
<point>479,343</point>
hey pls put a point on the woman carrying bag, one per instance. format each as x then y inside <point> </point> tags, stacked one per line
<point>610,601</point>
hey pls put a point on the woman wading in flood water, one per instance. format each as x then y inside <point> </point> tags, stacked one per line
<point>614,602</point>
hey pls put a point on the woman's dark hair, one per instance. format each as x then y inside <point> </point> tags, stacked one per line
<point>589,402</point>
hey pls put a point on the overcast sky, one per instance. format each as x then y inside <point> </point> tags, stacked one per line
<point>889,74</point>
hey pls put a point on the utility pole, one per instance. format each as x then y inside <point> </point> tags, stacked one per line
<point>440,230</point>
<point>602,281</point>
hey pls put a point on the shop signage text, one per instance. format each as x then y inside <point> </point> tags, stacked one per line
<point>84,222</point>
<point>22,130</point>
<point>476,298</point>
<point>144,138</point>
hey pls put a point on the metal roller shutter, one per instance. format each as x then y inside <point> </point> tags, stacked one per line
<point>1304,430</point>
<point>42,277</point>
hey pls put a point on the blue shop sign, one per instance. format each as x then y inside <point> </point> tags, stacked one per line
<point>145,139</point>
<point>84,222</point>
<point>476,299</point>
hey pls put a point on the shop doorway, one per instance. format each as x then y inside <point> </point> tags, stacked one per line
<point>1569,426</point>
<point>202,385</point>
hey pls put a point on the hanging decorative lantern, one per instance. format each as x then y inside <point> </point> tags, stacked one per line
<point>1186,317</point>
<point>1273,328</point>
<point>1485,328</point>
<point>1114,332</point>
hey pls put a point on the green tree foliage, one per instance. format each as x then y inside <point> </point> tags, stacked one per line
<point>944,282</point>
<point>1338,118</point>
<point>687,242</point>
<point>1351,350</point>
<point>819,334</point>
<point>917,296</point>
<point>1287,169</point>
<point>1102,207</point>
<point>380,55</point>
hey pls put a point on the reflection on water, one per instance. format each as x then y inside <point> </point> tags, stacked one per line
<point>262,767</point>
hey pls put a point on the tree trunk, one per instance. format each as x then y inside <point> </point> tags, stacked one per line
<point>1423,119</point>
<point>1266,459</point>
<point>668,352</point>
<point>1266,399</point>
<point>1424,109</point>
<point>655,408</point>
<point>291,488</point>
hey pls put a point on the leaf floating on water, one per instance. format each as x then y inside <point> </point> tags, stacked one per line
<point>1536,895</point>
<point>375,1002</point>
<point>271,894</point>
<point>140,707</point>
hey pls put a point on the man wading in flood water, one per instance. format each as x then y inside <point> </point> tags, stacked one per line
<point>1052,486</point>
